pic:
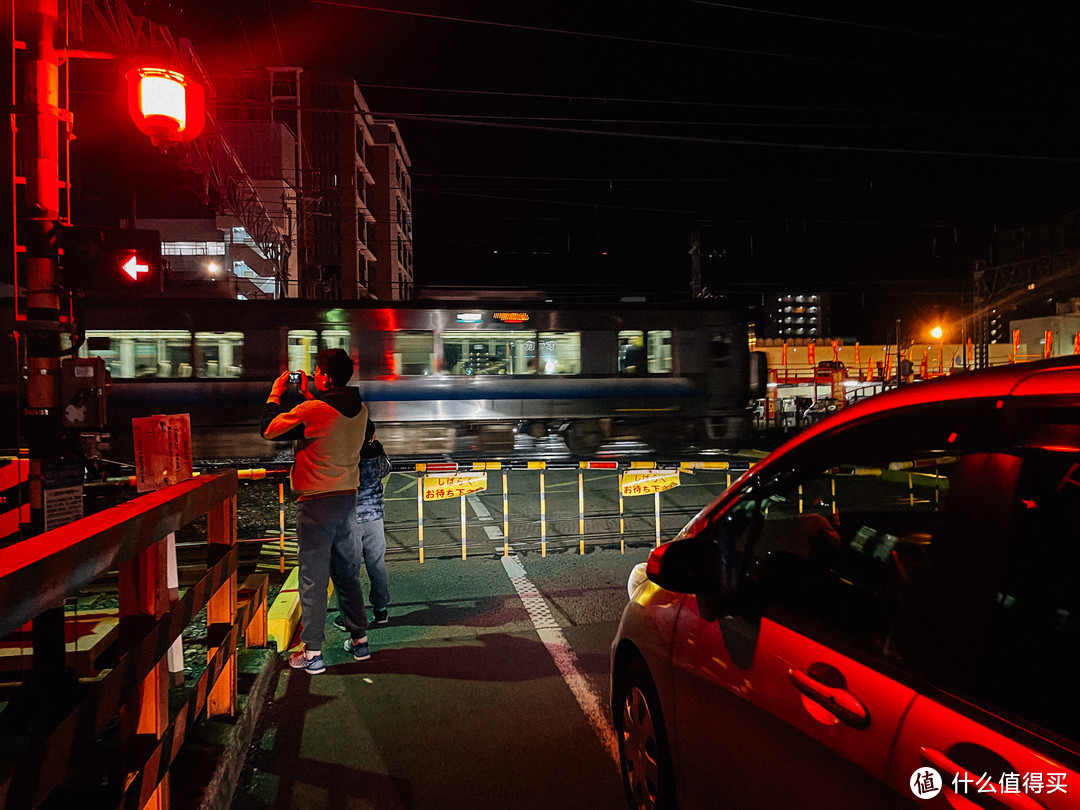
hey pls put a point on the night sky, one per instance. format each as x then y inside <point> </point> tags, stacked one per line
<point>868,151</point>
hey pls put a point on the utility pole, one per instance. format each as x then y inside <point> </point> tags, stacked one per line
<point>695,265</point>
<point>37,27</point>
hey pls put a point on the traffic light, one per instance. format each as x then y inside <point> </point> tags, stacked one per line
<point>115,260</point>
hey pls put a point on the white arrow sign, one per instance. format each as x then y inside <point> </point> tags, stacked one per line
<point>133,268</point>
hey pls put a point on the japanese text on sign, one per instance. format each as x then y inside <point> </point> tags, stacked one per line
<point>453,485</point>
<point>162,450</point>
<point>648,482</point>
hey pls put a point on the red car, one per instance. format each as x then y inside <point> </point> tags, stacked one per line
<point>884,612</point>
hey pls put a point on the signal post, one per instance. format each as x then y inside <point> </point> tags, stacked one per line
<point>167,107</point>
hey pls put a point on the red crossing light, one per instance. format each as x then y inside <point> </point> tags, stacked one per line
<point>117,260</point>
<point>166,105</point>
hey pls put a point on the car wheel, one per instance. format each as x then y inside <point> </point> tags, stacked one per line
<point>645,761</point>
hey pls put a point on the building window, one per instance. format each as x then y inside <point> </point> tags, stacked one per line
<point>192,248</point>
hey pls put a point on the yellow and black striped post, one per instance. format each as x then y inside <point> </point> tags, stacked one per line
<point>581,509</point>
<point>506,516</point>
<point>464,529</point>
<point>590,465</point>
<point>656,511</point>
<point>622,518</point>
<point>281,527</point>
<point>541,465</point>
<point>420,510</point>
<point>14,495</point>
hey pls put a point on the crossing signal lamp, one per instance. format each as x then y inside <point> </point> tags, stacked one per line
<point>166,105</point>
<point>114,260</point>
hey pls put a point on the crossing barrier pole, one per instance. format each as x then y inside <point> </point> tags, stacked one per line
<point>420,511</point>
<point>581,509</point>
<point>506,516</point>
<point>622,518</point>
<point>541,465</point>
<point>281,527</point>
<point>463,528</point>
<point>656,510</point>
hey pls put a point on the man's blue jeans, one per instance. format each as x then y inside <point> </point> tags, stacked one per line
<point>329,541</point>
<point>373,540</point>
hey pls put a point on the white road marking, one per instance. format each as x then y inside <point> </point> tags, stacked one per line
<point>547,628</point>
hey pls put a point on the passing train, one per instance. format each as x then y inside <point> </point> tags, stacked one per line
<point>437,376</point>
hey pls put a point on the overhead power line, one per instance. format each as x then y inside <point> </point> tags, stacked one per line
<point>748,142</point>
<point>591,35</point>
<point>911,32</point>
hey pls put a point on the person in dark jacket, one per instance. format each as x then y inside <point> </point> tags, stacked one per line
<point>374,466</point>
<point>329,429</point>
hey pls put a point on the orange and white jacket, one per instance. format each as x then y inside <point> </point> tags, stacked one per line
<point>329,432</point>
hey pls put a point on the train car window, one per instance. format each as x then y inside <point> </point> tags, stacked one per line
<point>218,354</point>
<point>632,358</point>
<point>140,352</point>
<point>335,339</point>
<point>559,353</point>
<point>414,353</point>
<point>659,343</point>
<point>482,352</point>
<point>303,346</point>
<point>721,351</point>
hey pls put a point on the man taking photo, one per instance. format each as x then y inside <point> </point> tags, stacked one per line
<point>329,430</point>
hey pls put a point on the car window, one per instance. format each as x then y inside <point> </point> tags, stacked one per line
<point>939,541</point>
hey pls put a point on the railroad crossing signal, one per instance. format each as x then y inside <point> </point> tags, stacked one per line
<point>133,267</point>
<point>166,105</point>
<point>115,260</point>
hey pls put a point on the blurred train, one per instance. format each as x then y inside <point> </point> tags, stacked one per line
<point>437,376</point>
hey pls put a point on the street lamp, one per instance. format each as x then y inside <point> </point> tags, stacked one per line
<point>937,333</point>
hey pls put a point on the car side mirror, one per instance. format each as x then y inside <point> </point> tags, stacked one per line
<point>690,565</point>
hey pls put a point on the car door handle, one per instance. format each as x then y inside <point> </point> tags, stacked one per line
<point>826,686</point>
<point>951,771</point>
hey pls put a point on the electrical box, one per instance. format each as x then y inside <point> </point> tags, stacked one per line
<point>84,392</point>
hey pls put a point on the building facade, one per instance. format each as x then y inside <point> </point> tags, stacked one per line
<point>798,316</point>
<point>392,277</point>
<point>347,191</point>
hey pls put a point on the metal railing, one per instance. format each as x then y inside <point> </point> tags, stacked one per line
<point>130,699</point>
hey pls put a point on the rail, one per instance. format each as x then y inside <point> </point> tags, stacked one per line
<point>131,697</point>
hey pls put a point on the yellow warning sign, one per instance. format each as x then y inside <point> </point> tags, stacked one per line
<point>647,482</point>
<point>453,485</point>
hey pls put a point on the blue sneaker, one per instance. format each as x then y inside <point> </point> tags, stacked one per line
<point>359,649</point>
<point>299,660</point>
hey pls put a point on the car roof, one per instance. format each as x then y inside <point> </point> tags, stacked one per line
<point>1056,376</point>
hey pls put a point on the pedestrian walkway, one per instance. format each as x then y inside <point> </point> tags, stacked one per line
<point>462,703</point>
